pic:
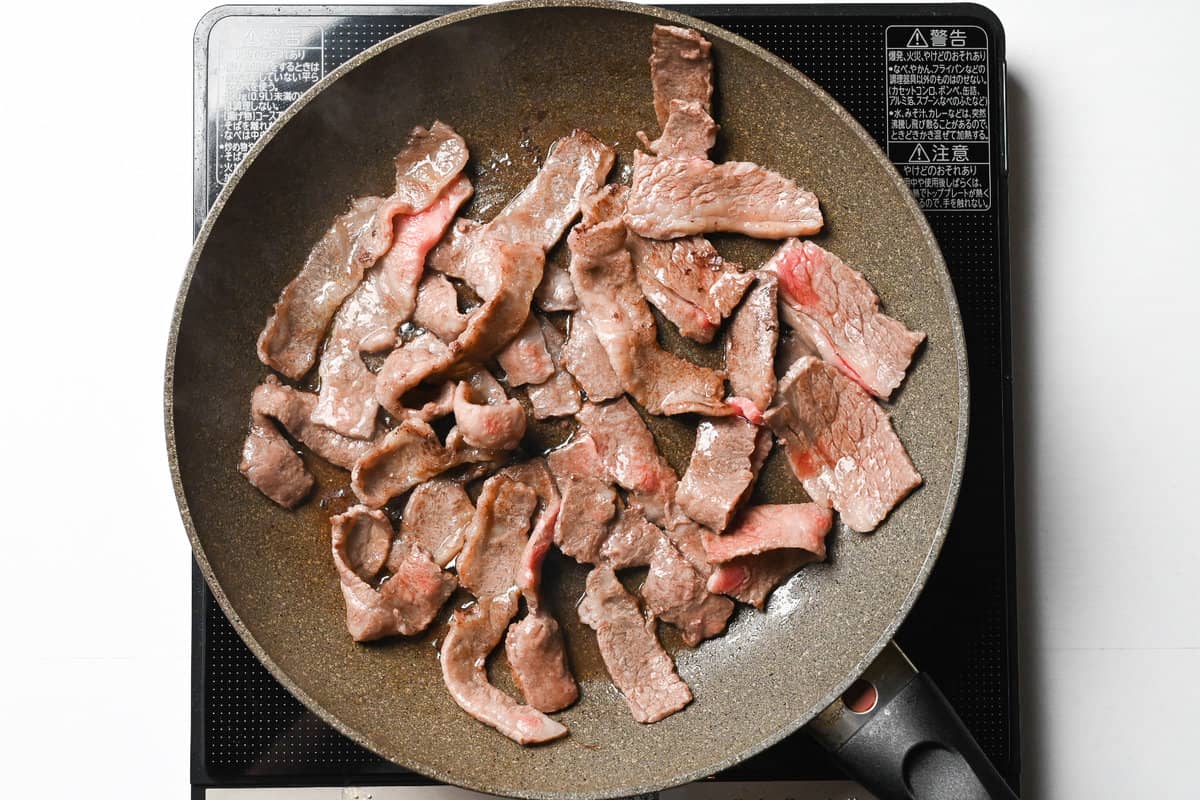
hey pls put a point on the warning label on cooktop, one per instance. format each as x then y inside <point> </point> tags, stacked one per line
<point>938,128</point>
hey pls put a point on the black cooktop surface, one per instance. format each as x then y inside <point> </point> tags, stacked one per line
<point>928,84</point>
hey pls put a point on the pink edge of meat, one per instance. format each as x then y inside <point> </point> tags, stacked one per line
<point>541,539</point>
<point>772,527</point>
<point>746,409</point>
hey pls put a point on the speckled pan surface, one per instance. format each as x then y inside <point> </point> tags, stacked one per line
<point>511,79</point>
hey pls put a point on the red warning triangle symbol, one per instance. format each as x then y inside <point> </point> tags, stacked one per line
<point>919,156</point>
<point>917,39</point>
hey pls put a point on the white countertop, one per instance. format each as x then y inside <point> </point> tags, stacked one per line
<point>95,597</point>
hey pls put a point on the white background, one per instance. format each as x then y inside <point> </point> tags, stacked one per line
<point>96,139</point>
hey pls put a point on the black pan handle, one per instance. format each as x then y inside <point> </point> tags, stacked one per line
<point>897,735</point>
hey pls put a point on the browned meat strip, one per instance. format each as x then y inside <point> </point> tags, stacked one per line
<point>272,466</point>
<point>675,592</point>
<point>721,471</point>
<point>750,343</point>
<point>473,634</point>
<point>836,311</point>
<point>680,68</point>
<point>490,561</point>
<point>368,320</point>
<point>430,161</point>
<point>406,368</point>
<point>689,282</point>
<point>689,132</point>
<point>628,455</point>
<point>437,308</point>
<point>536,475</point>
<point>840,444</point>
<point>539,662</point>
<point>587,507</point>
<point>558,396</point>
<point>673,197</point>
<point>487,417</point>
<point>750,579</point>
<point>408,601</point>
<point>408,455</point>
<point>632,540</point>
<point>635,661</point>
<point>794,526</point>
<point>525,359</point>
<point>437,516</point>
<point>604,280</point>
<point>585,358</point>
<point>293,409</point>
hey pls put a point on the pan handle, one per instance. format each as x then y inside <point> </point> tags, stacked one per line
<point>897,735</point>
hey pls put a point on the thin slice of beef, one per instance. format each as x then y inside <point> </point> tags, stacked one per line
<point>721,472</point>
<point>429,162</point>
<point>473,634</point>
<point>539,662</point>
<point>759,529</point>
<point>836,311</point>
<point>272,466</point>
<point>680,69</point>
<point>293,409</point>
<point>368,320</point>
<point>620,317</point>
<point>437,516</point>
<point>751,579</point>
<point>486,417</point>
<point>536,475</point>
<point>490,561</point>
<point>635,661</point>
<point>556,292</point>
<point>408,600</point>
<point>689,282</point>
<point>750,343</point>
<point>791,348</point>
<point>525,359</point>
<point>408,455</point>
<point>449,257</point>
<point>675,592</point>
<point>628,455</point>
<point>673,197</point>
<point>631,540</point>
<point>437,308</point>
<point>585,358</point>
<point>558,396</point>
<point>689,132</point>
<point>406,368</point>
<point>840,444</point>
<point>588,505</point>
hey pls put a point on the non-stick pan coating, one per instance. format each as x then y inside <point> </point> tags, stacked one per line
<point>511,79</point>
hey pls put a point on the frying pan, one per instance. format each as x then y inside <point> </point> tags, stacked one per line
<point>511,79</point>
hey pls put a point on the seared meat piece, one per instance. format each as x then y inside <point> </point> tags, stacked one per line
<point>673,197</point>
<point>722,470</point>
<point>449,257</point>
<point>404,604</point>
<point>368,320</point>
<point>525,359</point>
<point>635,661</point>
<point>490,561</point>
<point>689,282</point>
<point>588,506</point>
<point>429,162</point>
<point>406,368</point>
<point>558,396</point>
<point>272,466</point>
<point>437,308</point>
<point>408,455</point>
<point>750,343</point>
<point>487,417</point>
<point>473,634</point>
<point>608,292</point>
<point>689,132</point>
<point>675,592</point>
<point>795,526</point>
<point>836,311</point>
<point>750,579</point>
<point>556,292</point>
<point>539,662</point>
<point>680,69</point>
<point>293,409</point>
<point>840,444</point>
<point>628,455</point>
<point>585,358</point>
<point>631,541</point>
<point>437,516</point>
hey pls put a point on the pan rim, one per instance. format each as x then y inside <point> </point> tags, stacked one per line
<point>712,31</point>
